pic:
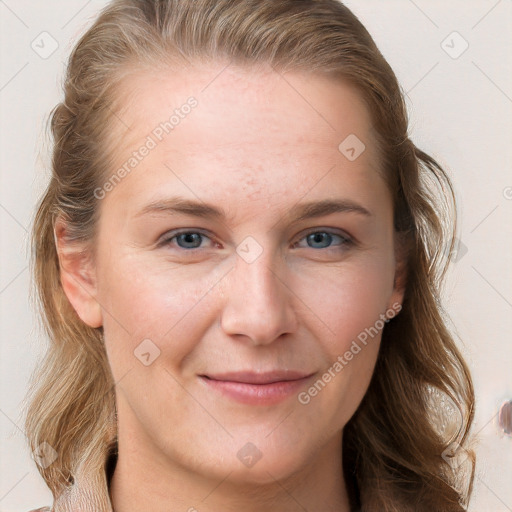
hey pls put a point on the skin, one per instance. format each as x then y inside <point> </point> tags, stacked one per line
<point>257,144</point>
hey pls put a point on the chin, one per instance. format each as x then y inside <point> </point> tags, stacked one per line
<point>266,470</point>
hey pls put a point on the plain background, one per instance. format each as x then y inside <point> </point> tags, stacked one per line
<point>460,103</point>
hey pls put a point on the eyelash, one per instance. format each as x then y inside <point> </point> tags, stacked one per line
<point>345,240</point>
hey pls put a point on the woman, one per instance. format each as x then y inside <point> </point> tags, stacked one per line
<point>238,258</point>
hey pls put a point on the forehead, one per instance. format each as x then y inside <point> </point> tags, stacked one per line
<point>264,105</point>
<point>256,128</point>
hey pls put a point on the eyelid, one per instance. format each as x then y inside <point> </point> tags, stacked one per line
<point>166,238</point>
<point>331,231</point>
<point>173,233</point>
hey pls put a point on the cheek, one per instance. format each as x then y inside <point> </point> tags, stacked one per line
<point>153,302</point>
<point>347,300</point>
<point>350,301</point>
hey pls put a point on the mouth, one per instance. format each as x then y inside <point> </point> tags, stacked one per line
<point>257,388</point>
<point>259,378</point>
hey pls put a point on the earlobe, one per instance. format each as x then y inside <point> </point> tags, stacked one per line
<point>77,276</point>
<point>397,297</point>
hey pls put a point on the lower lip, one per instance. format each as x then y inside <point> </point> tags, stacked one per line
<point>257,394</point>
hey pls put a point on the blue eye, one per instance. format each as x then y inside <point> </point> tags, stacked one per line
<point>189,240</point>
<point>325,239</point>
<point>315,240</point>
<point>185,239</point>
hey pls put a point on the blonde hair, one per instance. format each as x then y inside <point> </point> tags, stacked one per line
<point>394,445</point>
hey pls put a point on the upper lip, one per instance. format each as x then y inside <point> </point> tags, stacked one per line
<point>259,378</point>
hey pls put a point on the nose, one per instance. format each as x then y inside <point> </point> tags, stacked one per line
<point>258,302</point>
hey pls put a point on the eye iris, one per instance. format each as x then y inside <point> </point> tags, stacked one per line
<point>189,238</point>
<point>324,239</point>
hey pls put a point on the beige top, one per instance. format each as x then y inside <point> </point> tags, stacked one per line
<point>80,498</point>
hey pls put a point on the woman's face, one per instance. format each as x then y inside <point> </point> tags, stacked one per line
<point>248,240</point>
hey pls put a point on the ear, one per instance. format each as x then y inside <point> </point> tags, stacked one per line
<point>77,276</point>
<point>402,249</point>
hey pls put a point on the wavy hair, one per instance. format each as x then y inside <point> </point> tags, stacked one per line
<point>420,402</point>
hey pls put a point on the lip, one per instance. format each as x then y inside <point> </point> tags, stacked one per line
<point>257,388</point>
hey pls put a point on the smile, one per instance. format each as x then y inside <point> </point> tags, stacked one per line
<point>257,389</point>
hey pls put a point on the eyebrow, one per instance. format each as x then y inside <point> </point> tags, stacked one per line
<point>299,212</point>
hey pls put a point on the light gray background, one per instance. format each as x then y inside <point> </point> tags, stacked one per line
<point>460,113</point>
